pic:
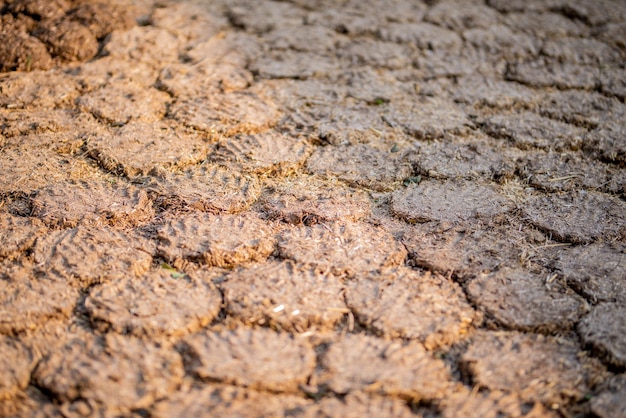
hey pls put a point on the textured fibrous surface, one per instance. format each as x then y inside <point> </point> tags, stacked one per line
<point>579,217</point>
<point>228,113</point>
<point>342,248</point>
<point>139,148</point>
<point>312,208</point>
<point>524,301</point>
<point>88,255</point>
<point>612,399</point>
<point>409,371</point>
<point>492,404</point>
<point>357,405</point>
<point>121,103</point>
<point>18,234</point>
<point>310,201</point>
<point>598,271</point>
<point>404,303</point>
<point>26,301</point>
<point>604,330</point>
<point>217,240</point>
<point>427,118</point>
<point>530,130</point>
<point>361,165</point>
<point>161,302</point>
<point>145,371</point>
<point>206,187</point>
<point>263,153</point>
<point>213,400</point>
<point>16,365</point>
<point>255,358</point>
<point>538,368</point>
<point>285,295</point>
<point>447,202</point>
<point>92,203</point>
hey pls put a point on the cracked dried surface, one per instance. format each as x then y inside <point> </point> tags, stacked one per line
<point>407,304</point>
<point>537,367</point>
<point>146,371</point>
<point>254,358</point>
<point>359,362</point>
<point>526,301</point>
<point>285,295</point>
<point>216,240</point>
<point>161,302</point>
<point>312,208</point>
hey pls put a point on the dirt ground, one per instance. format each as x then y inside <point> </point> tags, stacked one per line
<point>313,208</point>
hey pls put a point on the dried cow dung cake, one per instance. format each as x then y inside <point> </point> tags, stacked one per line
<point>360,165</point>
<point>18,234</point>
<point>68,40</point>
<point>28,301</point>
<point>193,22</point>
<point>87,255</point>
<point>257,358</point>
<point>139,148</point>
<point>492,404</point>
<point>427,118</point>
<point>363,363</point>
<point>38,33</point>
<point>120,102</point>
<point>102,17</point>
<point>92,203</point>
<point>161,302</point>
<point>549,72</point>
<point>93,75</point>
<point>16,48</point>
<point>556,172</point>
<point>408,304</point>
<point>352,125</point>
<point>183,82</point>
<point>342,248</point>
<point>38,90</point>
<point>529,130</point>
<point>473,158</point>
<point>522,300</point>
<point>207,187</point>
<point>238,112</point>
<point>217,240</point>
<point>55,125</point>
<point>451,201</point>
<point>466,252</point>
<point>597,271</point>
<point>119,372</point>
<point>291,64</point>
<point>267,152</point>
<point>227,401</point>
<point>550,370</point>
<point>604,329</point>
<point>359,405</point>
<point>476,89</point>
<point>16,364</point>
<point>606,143</point>
<point>611,401</point>
<point>579,217</point>
<point>309,200</point>
<point>261,17</point>
<point>376,53</point>
<point>138,45</point>
<point>23,169</point>
<point>424,34</point>
<point>578,107</point>
<point>284,295</point>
